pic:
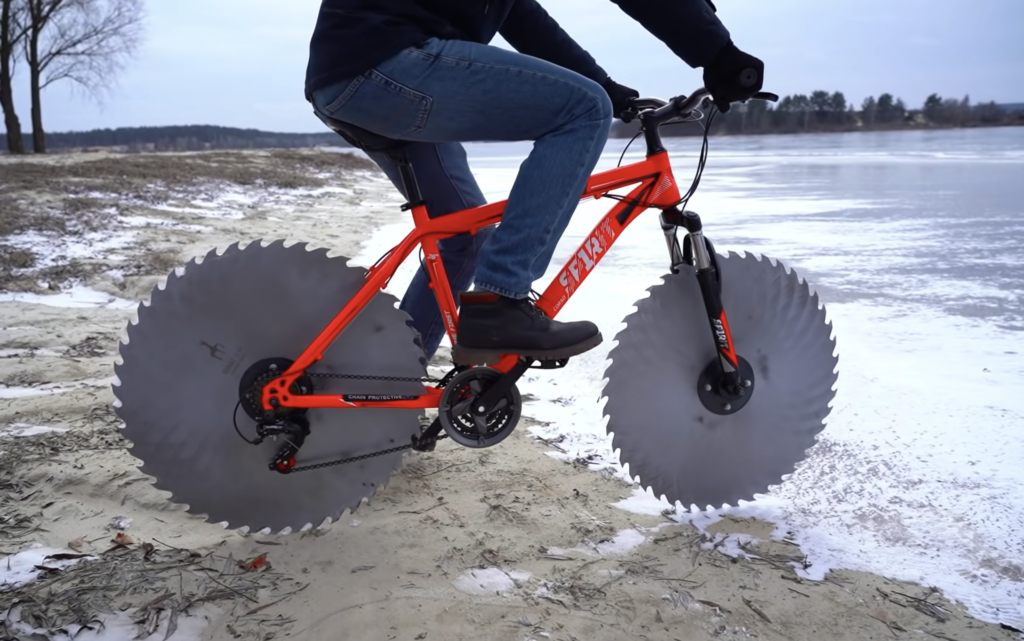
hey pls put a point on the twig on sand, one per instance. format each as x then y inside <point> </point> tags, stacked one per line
<point>756,609</point>
<point>273,603</point>
<point>938,635</point>
<point>438,471</point>
<point>926,607</point>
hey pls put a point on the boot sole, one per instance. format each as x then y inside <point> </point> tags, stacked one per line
<point>478,356</point>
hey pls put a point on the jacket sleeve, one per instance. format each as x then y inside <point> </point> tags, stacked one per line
<point>531,30</point>
<point>689,28</point>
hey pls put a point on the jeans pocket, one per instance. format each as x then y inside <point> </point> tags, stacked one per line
<point>343,97</point>
<point>381,104</point>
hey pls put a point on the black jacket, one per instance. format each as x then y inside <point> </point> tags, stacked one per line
<point>352,36</point>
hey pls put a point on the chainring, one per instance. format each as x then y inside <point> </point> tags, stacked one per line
<point>457,419</point>
<point>664,433</point>
<point>178,385</point>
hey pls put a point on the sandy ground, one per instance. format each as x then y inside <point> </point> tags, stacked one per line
<point>504,543</point>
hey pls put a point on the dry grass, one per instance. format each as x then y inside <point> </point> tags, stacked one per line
<point>286,169</point>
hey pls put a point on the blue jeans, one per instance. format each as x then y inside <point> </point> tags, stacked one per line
<point>444,92</point>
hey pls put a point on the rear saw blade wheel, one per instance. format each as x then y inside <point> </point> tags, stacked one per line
<point>184,358</point>
<point>662,429</point>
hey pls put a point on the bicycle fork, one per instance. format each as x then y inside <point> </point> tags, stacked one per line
<point>726,384</point>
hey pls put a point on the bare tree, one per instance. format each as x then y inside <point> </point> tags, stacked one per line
<point>12,31</point>
<point>84,41</point>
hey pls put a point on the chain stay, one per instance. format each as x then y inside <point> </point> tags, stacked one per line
<point>426,443</point>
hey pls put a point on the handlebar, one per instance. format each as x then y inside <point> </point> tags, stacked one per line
<point>661,111</point>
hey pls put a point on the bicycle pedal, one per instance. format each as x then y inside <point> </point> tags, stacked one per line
<point>556,363</point>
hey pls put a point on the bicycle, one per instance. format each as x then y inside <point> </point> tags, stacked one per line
<point>271,377</point>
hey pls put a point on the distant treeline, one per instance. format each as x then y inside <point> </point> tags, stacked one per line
<point>185,138</point>
<point>818,112</point>
<point>829,111</point>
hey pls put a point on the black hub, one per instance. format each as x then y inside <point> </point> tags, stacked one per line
<point>464,394</point>
<point>250,387</point>
<point>714,393</point>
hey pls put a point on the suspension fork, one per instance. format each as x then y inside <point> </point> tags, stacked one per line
<point>731,382</point>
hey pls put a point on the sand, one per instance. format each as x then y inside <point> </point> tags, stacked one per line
<point>502,543</point>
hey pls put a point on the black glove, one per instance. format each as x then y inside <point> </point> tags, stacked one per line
<point>619,95</point>
<point>722,76</point>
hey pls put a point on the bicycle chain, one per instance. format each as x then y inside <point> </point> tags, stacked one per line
<point>361,457</point>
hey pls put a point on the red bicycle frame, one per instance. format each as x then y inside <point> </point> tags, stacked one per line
<point>655,186</point>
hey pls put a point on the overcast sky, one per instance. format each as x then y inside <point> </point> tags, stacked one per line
<point>241,63</point>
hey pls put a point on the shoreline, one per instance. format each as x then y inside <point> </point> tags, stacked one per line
<point>667,133</point>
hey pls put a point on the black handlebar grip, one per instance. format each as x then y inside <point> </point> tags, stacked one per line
<point>748,78</point>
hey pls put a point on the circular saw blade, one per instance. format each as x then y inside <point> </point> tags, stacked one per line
<point>178,385</point>
<point>670,441</point>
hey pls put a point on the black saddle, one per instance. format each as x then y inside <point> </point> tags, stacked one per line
<point>363,139</point>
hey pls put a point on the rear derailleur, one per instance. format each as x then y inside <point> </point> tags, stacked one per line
<point>291,425</point>
<point>294,429</point>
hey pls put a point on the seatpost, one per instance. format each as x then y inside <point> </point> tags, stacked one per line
<point>411,187</point>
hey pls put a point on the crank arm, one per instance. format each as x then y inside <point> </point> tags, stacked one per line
<point>494,395</point>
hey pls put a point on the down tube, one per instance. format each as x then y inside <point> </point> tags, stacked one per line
<point>592,250</point>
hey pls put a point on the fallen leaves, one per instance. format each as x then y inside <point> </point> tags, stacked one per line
<point>123,540</point>
<point>258,563</point>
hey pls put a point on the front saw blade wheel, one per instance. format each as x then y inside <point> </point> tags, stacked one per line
<point>681,438</point>
<point>220,327</point>
<point>455,409</point>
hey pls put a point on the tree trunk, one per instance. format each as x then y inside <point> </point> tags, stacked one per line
<point>11,122</point>
<point>38,137</point>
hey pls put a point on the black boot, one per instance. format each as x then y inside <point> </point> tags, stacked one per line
<point>491,326</point>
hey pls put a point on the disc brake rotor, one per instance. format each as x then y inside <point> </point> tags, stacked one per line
<point>178,385</point>
<point>669,439</point>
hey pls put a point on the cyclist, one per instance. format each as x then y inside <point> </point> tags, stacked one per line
<point>422,72</point>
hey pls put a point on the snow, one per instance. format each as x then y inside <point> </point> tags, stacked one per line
<point>57,248</point>
<point>18,570</point>
<point>74,296</point>
<point>486,581</point>
<point>8,392</point>
<point>18,430</point>
<point>120,627</point>
<point>918,473</point>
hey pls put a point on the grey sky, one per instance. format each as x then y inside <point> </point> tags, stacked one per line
<point>241,62</point>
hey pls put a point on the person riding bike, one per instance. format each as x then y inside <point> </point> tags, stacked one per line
<point>420,75</point>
